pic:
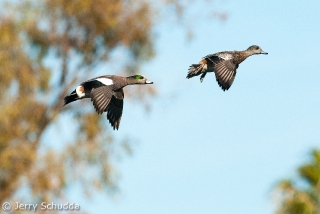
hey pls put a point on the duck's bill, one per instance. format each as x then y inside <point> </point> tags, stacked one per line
<point>262,52</point>
<point>149,82</point>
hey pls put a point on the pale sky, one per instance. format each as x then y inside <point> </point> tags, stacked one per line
<point>202,150</point>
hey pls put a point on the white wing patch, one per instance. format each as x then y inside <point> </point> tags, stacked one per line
<point>225,56</point>
<point>105,81</point>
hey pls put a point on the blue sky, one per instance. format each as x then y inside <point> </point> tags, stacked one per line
<point>202,150</point>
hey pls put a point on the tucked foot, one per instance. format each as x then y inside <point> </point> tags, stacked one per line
<point>202,76</point>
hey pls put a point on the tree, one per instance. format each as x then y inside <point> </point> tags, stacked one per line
<point>46,47</point>
<point>301,196</point>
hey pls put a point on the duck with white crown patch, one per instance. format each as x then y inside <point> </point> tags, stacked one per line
<point>106,93</point>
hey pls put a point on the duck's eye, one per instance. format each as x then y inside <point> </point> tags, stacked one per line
<point>257,48</point>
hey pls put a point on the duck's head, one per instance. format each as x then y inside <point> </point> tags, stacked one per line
<point>255,49</point>
<point>137,79</point>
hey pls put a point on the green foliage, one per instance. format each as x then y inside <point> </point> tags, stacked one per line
<point>311,172</point>
<point>294,199</point>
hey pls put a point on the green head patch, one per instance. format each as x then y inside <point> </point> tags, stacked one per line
<point>138,77</point>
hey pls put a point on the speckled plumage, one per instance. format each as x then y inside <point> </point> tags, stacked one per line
<point>106,93</point>
<point>223,64</point>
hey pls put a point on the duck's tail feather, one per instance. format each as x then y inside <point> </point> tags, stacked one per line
<point>195,70</point>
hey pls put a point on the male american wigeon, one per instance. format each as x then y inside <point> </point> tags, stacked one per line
<point>223,64</point>
<point>106,93</point>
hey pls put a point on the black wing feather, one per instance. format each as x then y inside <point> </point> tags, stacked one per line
<point>106,100</point>
<point>115,108</point>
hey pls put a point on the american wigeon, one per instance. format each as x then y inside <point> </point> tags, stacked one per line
<point>224,64</point>
<point>106,93</point>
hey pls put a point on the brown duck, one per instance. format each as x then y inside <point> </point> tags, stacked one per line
<point>106,93</point>
<point>223,64</point>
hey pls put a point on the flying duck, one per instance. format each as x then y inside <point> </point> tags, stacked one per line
<point>223,64</point>
<point>106,93</point>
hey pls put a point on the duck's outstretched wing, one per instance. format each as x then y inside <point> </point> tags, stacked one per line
<point>115,108</point>
<point>106,100</point>
<point>224,69</point>
<point>101,97</point>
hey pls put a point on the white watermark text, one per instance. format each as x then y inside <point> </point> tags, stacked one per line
<point>17,206</point>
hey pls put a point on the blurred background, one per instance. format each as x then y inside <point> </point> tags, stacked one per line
<point>182,146</point>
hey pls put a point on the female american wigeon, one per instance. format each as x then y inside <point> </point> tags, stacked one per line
<point>223,64</point>
<point>106,93</point>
